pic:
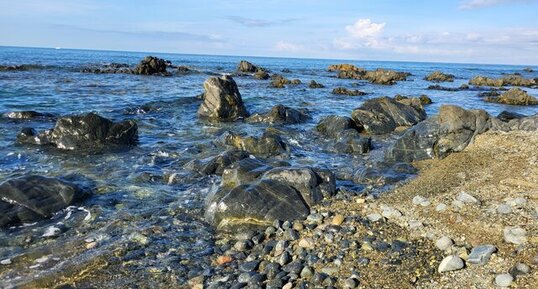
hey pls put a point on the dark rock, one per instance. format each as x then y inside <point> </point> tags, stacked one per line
<point>29,135</point>
<point>280,114</point>
<point>528,69</point>
<point>109,68</point>
<point>21,67</point>
<point>385,76</point>
<point>262,75</point>
<point>279,81</point>
<point>216,165</point>
<point>31,198</point>
<point>507,116</point>
<point>451,131</point>
<point>349,141</point>
<point>151,65</point>
<point>243,172</point>
<point>345,91</point>
<point>384,174</point>
<point>438,76</point>
<point>268,144</point>
<point>384,115</point>
<point>222,100</point>
<point>247,67</point>
<point>443,88</point>
<point>344,67</point>
<point>514,96</point>
<point>314,84</point>
<point>331,126</point>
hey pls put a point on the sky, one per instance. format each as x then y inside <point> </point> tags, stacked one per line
<point>465,31</point>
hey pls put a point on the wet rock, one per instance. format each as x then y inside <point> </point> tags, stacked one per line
<point>109,68</point>
<point>268,144</point>
<point>262,75</point>
<point>384,174</point>
<point>247,67</point>
<point>350,92</point>
<point>385,76</point>
<point>28,114</point>
<point>151,65</point>
<point>504,280</point>
<point>438,76</point>
<point>507,116</point>
<point>243,172</point>
<point>84,132</point>
<point>222,100</point>
<point>21,67</point>
<point>451,131</point>
<point>507,80</point>
<point>31,198</point>
<point>443,88</point>
<point>350,142</point>
<point>280,114</point>
<point>514,96</point>
<point>255,204</point>
<point>314,84</point>
<point>480,255</point>
<point>384,115</point>
<point>515,235</point>
<point>216,165</point>
<point>279,81</point>
<point>344,67</point>
<point>331,126</point>
<point>450,263</point>
<point>528,69</point>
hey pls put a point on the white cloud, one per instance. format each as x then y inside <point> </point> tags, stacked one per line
<point>364,28</point>
<point>284,46</point>
<point>363,33</point>
<point>475,4</point>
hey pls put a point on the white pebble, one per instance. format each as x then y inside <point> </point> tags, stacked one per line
<point>441,207</point>
<point>5,262</point>
<point>504,280</point>
<point>450,263</point>
<point>444,243</point>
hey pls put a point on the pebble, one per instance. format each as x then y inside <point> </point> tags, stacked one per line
<point>51,232</point>
<point>450,263</point>
<point>291,234</point>
<point>242,245</point>
<point>421,201</point>
<point>441,207</point>
<point>223,260</point>
<point>338,220</point>
<point>284,259</point>
<point>504,280</point>
<point>374,217</point>
<point>517,202</point>
<point>444,243</point>
<point>5,262</point>
<point>280,247</point>
<point>515,235</point>
<point>466,198</point>
<point>350,283</point>
<point>520,269</point>
<point>414,224</point>
<point>307,243</point>
<point>480,255</point>
<point>504,209</point>
<point>329,270</point>
<point>306,273</point>
<point>390,212</point>
<point>315,218</point>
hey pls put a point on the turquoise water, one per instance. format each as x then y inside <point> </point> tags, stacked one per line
<point>136,183</point>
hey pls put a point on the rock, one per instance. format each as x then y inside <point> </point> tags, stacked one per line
<point>338,220</point>
<point>280,114</point>
<point>441,207</point>
<point>514,96</point>
<point>507,116</point>
<point>109,68</point>
<point>507,80</point>
<point>515,235</point>
<point>311,184</point>
<point>351,283</point>
<point>268,144</point>
<point>438,76</point>
<point>467,198</point>
<point>424,99</point>
<point>503,280</point>
<point>31,198</point>
<point>331,126</point>
<point>314,84</point>
<point>221,260</point>
<point>444,243</point>
<point>480,255</point>
<point>255,204</point>
<point>279,81</point>
<point>262,75</point>
<point>451,131</point>
<point>350,142</point>
<point>345,91</point>
<point>374,217</point>
<point>420,200</point>
<point>383,115</point>
<point>27,114</point>
<point>520,269</point>
<point>385,76</point>
<point>243,172</point>
<point>307,243</point>
<point>295,81</point>
<point>452,89</point>
<point>384,174</point>
<point>222,100</point>
<point>344,67</point>
<point>528,69</point>
<point>504,209</point>
<point>247,67</point>
<point>215,165</point>
<point>390,212</point>
<point>450,263</point>
<point>151,65</point>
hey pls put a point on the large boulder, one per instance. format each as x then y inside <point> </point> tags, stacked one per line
<point>31,198</point>
<point>383,115</point>
<point>88,131</point>
<point>243,172</point>
<point>151,65</point>
<point>280,114</point>
<point>350,141</point>
<point>344,67</point>
<point>514,96</point>
<point>268,144</point>
<point>350,92</point>
<point>438,76</point>
<point>279,81</point>
<point>222,100</point>
<point>385,76</point>
<point>247,67</point>
<point>507,80</point>
<point>332,125</point>
<point>451,131</point>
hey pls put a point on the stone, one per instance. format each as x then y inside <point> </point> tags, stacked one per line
<point>222,100</point>
<point>32,198</point>
<point>243,172</point>
<point>344,67</point>
<point>5,262</point>
<point>331,126</point>
<point>215,165</point>
<point>374,217</point>
<point>420,201</point>
<point>444,243</point>
<point>441,207</point>
<point>520,269</point>
<point>351,142</point>
<point>450,263</point>
<point>504,209</point>
<point>514,96</point>
<point>378,76</point>
<point>280,114</point>
<point>507,80</point>
<point>351,283</point>
<point>27,114</point>
<point>307,243</point>
<point>438,76</point>
<point>480,255</point>
<point>247,67</point>
<point>151,65</point>
<point>507,116</point>
<point>515,235</point>
<point>279,81</point>
<point>268,144</point>
<point>314,84</point>
<point>383,115</point>
<point>504,280</point>
<point>338,220</point>
<point>390,212</point>
<point>349,92</point>
<point>261,75</point>
<point>467,198</point>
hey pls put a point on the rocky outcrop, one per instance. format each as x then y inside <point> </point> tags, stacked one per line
<point>451,131</point>
<point>507,80</point>
<point>331,126</point>
<point>378,76</point>
<point>279,194</point>
<point>27,114</point>
<point>344,67</point>
<point>314,84</point>
<point>84,132</point>
<point>384,115</point>
<point>350,92</point>
<point>261,75</point>
<point>151,65</point>
<point>279,81</point>
<point>32,198</point>
<point>222,100</point>
<point>268,144</point>
<point>280,114</point>
<point>215,165</point>
<point>514,96</point>
<point>438,76</point>
<point>109,68</point>
<point>21,67</point>
<point>247,67</point>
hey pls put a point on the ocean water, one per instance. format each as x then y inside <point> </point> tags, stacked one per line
<point>135,191</point>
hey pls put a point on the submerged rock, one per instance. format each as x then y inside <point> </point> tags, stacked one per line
<point>280,114</point>
<point>151,65</point>
<point>243,172</point>
<point>215,165</point>
<point>314,84</point>
<point>349,141</point>
<point>350,92</point>
<point>514,96</point>
<point>262,75</point>
<point>451,131</point>
<point>384,115</point>
<point>279,81</point>
<point>31,198</point>
<point>81,132</point>
<point>222,100</point>
<point>443,88</point>
<point>21,67</point>
<point>27,114</point>
<point>438,76</point>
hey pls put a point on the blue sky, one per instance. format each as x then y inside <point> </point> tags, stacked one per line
<point>477,31</point>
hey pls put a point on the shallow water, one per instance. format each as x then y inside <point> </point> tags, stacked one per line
<point>133,190</point>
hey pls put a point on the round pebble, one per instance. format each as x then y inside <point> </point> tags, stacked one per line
<point>503,280</point>
<point>444,243</point>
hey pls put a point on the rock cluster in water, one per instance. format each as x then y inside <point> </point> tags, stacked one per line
<point>378,76</point>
